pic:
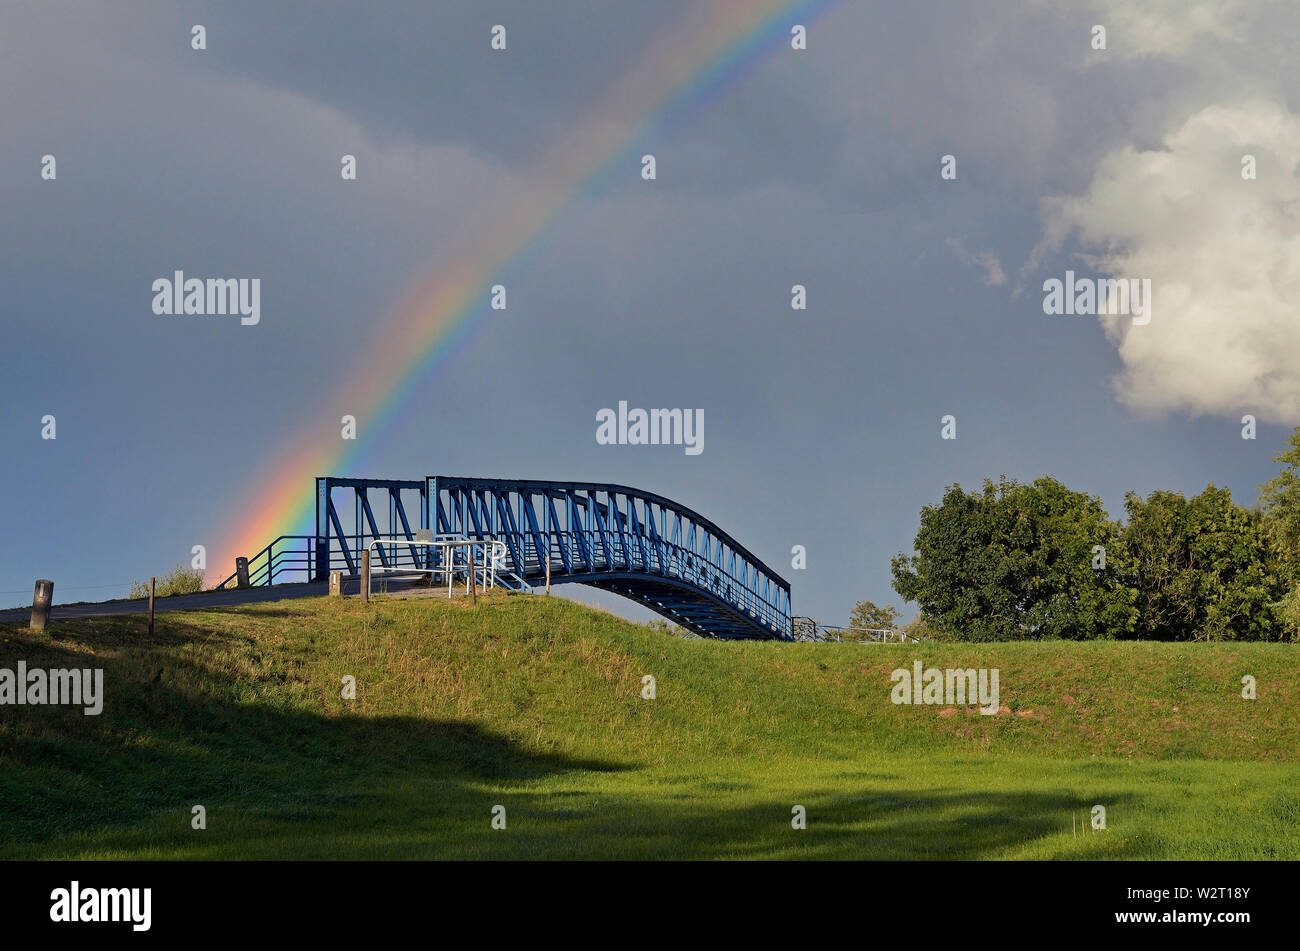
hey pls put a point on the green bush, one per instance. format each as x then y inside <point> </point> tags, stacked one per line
<point>180,580</point>
<point>1287,614</point>
<point>1017,561</point>
<point>1202,567</point>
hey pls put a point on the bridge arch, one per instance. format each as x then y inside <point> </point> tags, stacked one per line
<point>637,544</point>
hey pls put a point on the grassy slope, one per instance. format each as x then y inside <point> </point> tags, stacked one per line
<point>534,703</point>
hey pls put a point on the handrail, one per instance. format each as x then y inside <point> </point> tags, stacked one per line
<point>683,563</point>
<point>806,629</point>
<point>447,559</point>
<point>559,491</point>
<point>591,552</point>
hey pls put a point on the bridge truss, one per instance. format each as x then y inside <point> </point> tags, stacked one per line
<point>636,544</point>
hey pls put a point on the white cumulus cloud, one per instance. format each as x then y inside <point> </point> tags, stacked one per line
<point>1223,255</point>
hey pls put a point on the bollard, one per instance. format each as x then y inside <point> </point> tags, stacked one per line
<point>336,584</point>
<point>365,576</point>
<point>241,572</point>
<point>41,599</point>
<point>473,582</point>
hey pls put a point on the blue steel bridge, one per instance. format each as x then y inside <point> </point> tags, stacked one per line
<point>636,544</point>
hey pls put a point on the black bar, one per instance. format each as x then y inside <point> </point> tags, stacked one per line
<point>932,904</point>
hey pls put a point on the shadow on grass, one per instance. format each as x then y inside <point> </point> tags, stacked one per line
<point>172,734</point>
<point>865,825</point>
<point>280,781</point>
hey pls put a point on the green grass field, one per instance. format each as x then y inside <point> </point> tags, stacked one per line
<point>534,703</point>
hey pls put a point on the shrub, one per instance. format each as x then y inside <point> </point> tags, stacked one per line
<point>1018,561</point>
<point>180,580</point>
<point>1202,567</point>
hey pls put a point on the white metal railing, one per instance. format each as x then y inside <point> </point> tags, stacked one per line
<point>486,556</point>
<point>876,635</point>
<point>806,629</point>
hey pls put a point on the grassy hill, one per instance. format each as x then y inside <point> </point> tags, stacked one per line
<point>534,704</point>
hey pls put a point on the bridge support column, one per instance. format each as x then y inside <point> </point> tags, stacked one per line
<point>321,567</point>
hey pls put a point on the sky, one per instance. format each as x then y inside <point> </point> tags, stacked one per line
<point>774,166</point>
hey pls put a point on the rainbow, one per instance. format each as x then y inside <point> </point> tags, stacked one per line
<point>684,69</point>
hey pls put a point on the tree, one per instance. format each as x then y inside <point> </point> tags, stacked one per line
<point>1018,561</point>
<point>866,614</point>
<point>1286,612</point>
<point>1203,567</point>
<point>1279,497</point>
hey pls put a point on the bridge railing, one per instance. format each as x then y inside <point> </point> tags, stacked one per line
<point>609,535</point>
<point>806,629</point>
<point>872,635</point>
<point>639,544</point>
<point>293,558</point>
<point>590,553</point>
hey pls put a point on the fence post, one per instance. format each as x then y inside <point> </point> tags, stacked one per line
<point>151,584</point>
<point>473,584</point>
<point>241,572</point>
<point>365,576</point>
<point>41,598</point>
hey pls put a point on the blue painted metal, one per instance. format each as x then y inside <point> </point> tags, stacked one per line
<point>636,544</point>
<point>294,558</point>
<point>365,528</point>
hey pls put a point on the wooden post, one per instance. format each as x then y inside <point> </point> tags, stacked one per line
<point>41,599</point>
<point>473,585</point>
<point>548,566</point>
<point>241,572</point>
<point>365,576</point>
<point>151,584</point>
